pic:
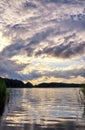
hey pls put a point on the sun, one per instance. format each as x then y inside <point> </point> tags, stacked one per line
<point>4,42</point>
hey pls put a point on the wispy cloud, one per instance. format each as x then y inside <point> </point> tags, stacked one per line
<point>52,29</point>
<point>64,50</point>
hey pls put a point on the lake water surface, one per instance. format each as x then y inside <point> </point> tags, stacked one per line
<point>41,109</point>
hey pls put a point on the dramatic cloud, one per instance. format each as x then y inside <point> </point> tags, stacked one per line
<point>67,74</point>
<point>10,69</point>
<point>64,50</point>
<point>40,34</point>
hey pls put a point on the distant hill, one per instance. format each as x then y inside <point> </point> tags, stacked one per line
<point>14,83</point>
<point>57,85</point>
<point>11,83</point>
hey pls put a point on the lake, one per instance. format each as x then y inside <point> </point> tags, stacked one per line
<point>43,109</point>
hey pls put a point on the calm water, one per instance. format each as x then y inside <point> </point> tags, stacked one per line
<point>33,109</point>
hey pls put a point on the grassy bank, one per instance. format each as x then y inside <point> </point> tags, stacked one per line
<point>82,93</point>
<point>4,95</point>
<point>82,97</point>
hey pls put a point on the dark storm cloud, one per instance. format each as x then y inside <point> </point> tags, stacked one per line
<point>57,1</point>
<point>19,29</point>
<point>33,42</point>
<point>28,23</point>
<point>13,49</point>
<point>16,27</point>
<point>29,51</point>
<point>28,4</point>
<point>41,36</point>
<point>15,31</point>
<point>62,1</point>
<point>66,74</point>
<point>64,50</point>
<point>69,73</point>
<point>34,75</point>
<point>9,68</point>
<point>68,49</point>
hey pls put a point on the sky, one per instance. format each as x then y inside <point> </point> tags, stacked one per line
<point>42,40</point>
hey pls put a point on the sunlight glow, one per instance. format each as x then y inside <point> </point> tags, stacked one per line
<point>19,59</point>
<point>45,79</point>
<point>42,41</point>
<point>4,42</point>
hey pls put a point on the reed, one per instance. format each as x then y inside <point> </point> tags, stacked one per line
<point>4,96</point>
<point>83,89</point>
<point>82,97</point>
<point>3,92</point>
<point>82,93</point>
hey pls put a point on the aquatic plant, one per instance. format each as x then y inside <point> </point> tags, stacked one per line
<point>2,89</point>
<point>82,93</point>
<point>82,98</point>
<point>4,95</point>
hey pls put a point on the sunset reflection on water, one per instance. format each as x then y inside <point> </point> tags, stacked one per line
<point>41,107</point>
